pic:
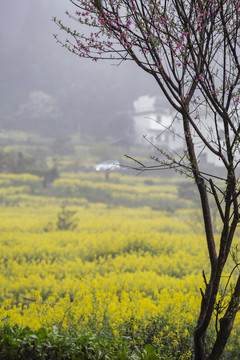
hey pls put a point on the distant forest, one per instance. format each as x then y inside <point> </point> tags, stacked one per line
<point>47,90</point>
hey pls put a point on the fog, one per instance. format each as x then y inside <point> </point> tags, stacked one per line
<point>46,89</point>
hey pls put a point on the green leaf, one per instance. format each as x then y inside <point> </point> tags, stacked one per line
<point>150,349</point>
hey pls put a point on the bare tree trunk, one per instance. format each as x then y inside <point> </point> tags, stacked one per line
<point>209,297</point>
<point>191,48</point>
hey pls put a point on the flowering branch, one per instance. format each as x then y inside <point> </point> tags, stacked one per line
<point>191,48</point>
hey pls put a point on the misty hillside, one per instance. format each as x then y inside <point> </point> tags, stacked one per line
<point>47,90</point>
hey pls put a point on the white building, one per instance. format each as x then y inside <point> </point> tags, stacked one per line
<point>154,119</point>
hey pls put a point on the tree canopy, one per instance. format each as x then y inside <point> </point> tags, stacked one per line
<point>191,49</point>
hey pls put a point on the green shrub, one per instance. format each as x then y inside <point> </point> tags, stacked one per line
<point>18,344</point>
<point>66,219</point>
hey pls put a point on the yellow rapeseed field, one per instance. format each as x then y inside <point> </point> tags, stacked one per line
<point>120,262</point>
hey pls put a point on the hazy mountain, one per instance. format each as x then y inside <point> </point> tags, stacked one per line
<point>46,89</point>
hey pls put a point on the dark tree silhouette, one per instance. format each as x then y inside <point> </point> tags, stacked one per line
<point>191,49</point>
